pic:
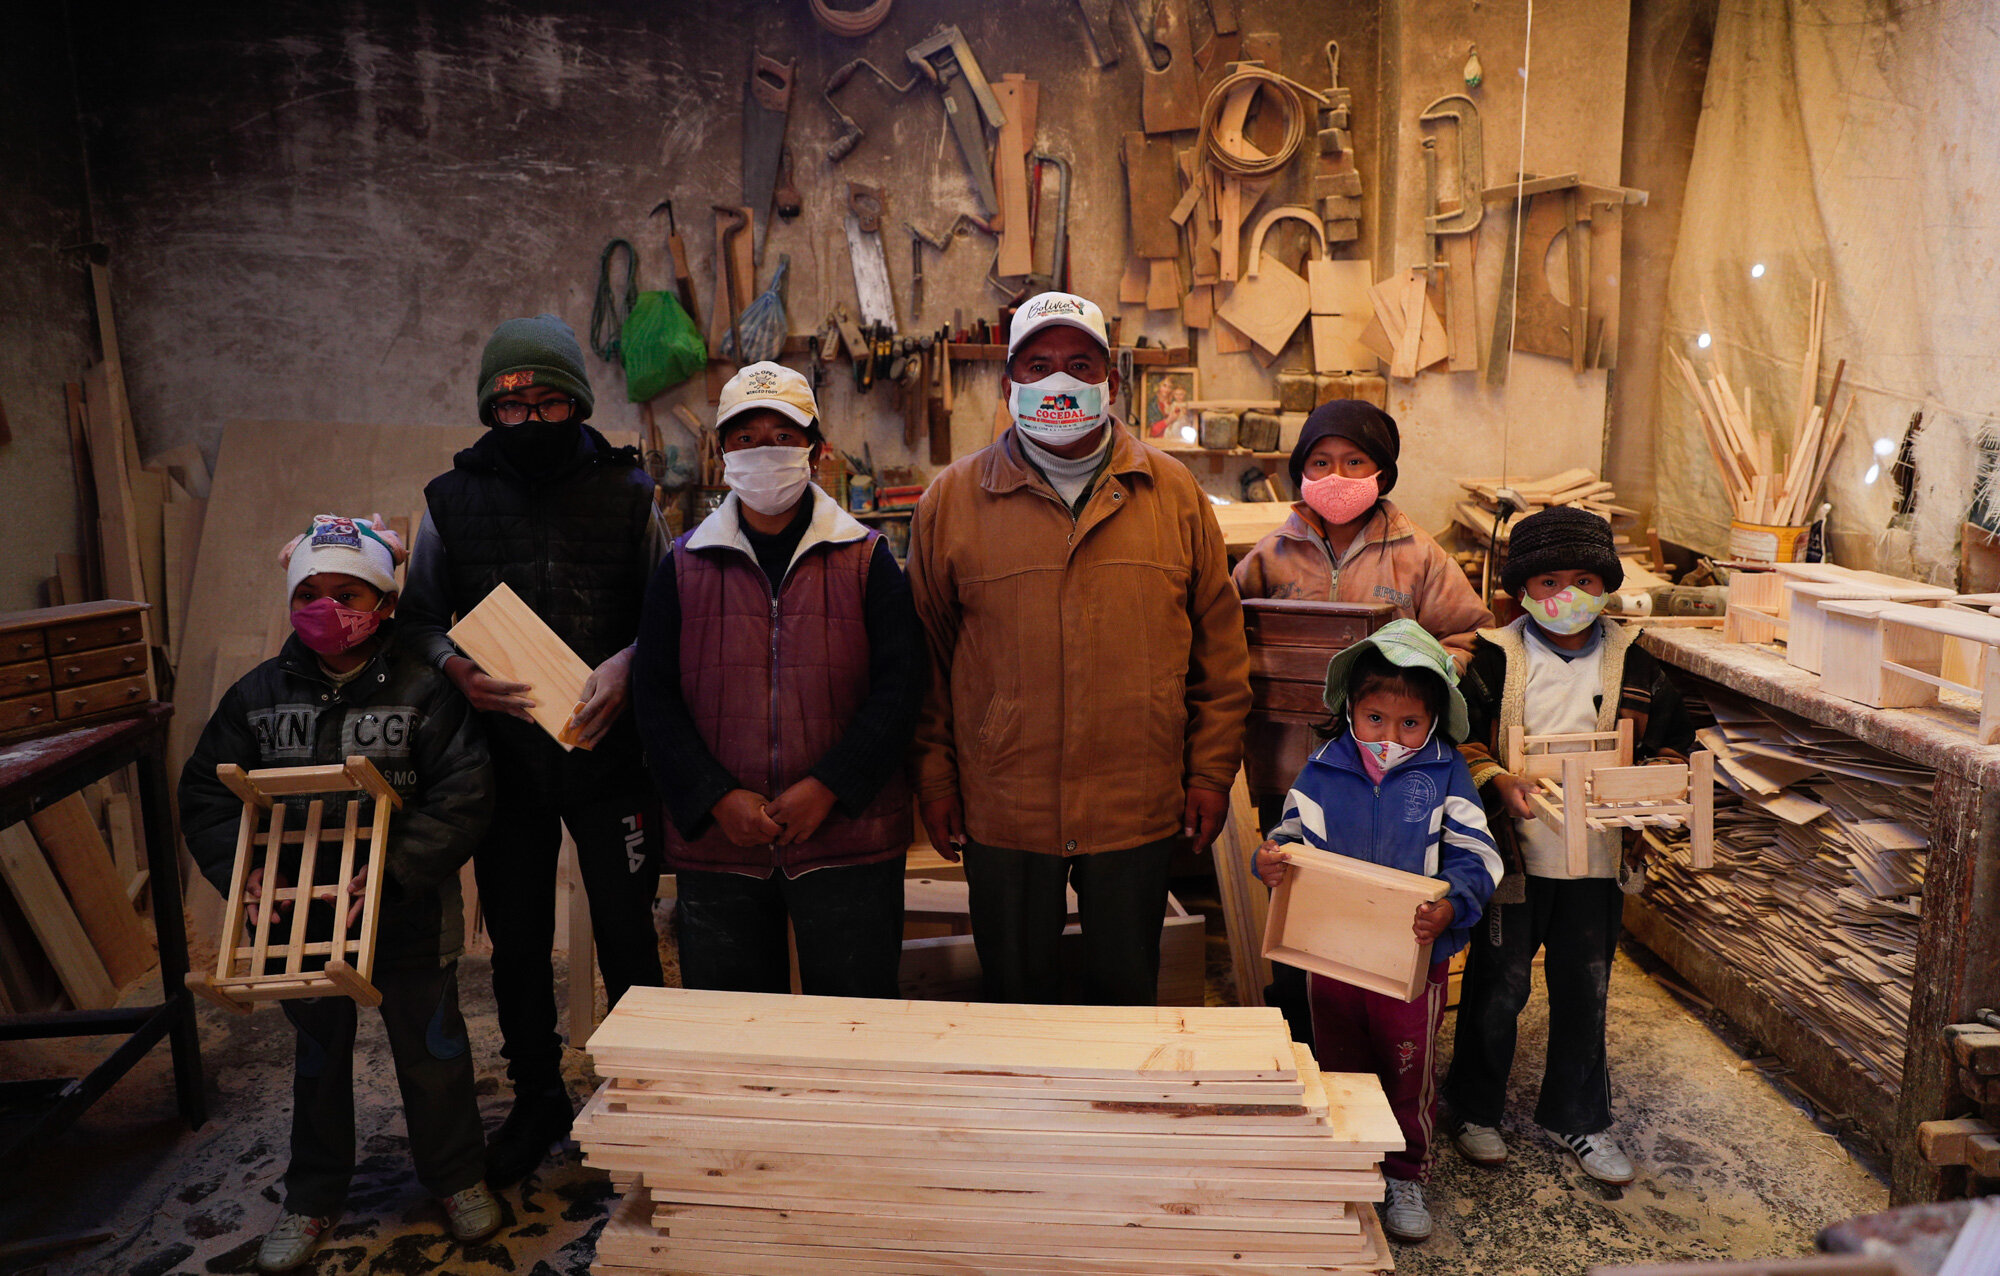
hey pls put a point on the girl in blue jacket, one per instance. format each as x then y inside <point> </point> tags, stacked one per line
<point>1392,789</point>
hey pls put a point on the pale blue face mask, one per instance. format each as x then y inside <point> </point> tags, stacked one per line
<point>1058,409</point>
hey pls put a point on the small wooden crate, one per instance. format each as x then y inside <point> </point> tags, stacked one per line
<point>1892,656</point>
<point>241,978</point>
<point>1600,789</point>
<point>1351,920</point>
<point>1291,641</point>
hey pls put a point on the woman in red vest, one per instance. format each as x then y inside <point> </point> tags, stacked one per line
<point>779,675</point>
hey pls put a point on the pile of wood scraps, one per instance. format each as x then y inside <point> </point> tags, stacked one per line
<point>70,934</point>
<point>1474,520</point>
<point>1760,490</point>
<point>755,1134</point>
<point>1820,851</point>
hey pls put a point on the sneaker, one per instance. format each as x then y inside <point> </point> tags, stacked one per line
<point>291,1242</point>
<point>1403,1214</point>
<point>539,1118</point>
<point>474,1214</point>
<point>1599,1155</point>
<point>1480,1144</point>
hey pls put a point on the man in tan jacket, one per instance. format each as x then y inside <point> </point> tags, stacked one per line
<point>1091,677</point>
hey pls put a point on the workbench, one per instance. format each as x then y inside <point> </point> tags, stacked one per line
<point>35,774</point>
<point>1958,944</point>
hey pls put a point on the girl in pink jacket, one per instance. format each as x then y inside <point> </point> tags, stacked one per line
<point>1346,542</point>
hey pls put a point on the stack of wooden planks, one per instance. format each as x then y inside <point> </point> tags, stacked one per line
<point>1474,520</point>
<point>1820,850</point>
<point>762,1135</point>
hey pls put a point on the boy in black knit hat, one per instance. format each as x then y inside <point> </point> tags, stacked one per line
<point>543,503</point>
<point>1562,668</point>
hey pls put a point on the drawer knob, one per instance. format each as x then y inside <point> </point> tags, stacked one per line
<point>72,670</point>
<point>69,640</point>
<point>130,661</point>
<point>34,711</point>
<point>133,693</point>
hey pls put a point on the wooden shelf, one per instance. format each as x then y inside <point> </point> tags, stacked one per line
<point>880,514</point>
<point>1143,356</point>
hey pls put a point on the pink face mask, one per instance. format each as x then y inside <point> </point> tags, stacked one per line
<point>1339,499</point>
<point>329,629</point>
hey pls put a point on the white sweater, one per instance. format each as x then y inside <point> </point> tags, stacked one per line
<point>1561,698</point>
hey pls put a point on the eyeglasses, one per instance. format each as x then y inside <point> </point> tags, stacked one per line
<point>553,411</point>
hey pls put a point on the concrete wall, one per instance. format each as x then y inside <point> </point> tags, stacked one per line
<point>318,213</point>
<point>46,328</point>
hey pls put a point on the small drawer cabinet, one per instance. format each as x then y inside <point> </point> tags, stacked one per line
<point>65,666</point>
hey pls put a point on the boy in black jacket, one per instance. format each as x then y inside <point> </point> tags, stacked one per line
<point>344,685</point>
<point>1561,668</point>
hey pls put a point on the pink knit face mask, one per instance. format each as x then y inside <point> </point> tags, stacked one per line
<point>1339,499</point>
<point>329,629</point>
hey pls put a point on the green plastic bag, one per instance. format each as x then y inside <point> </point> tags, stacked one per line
<point>660,346</point>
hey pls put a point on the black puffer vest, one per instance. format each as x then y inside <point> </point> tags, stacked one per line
<point>569,542</point>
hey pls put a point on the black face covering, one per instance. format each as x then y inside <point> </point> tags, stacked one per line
<point>534,448</point>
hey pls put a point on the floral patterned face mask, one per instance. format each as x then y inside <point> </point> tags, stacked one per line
<point>1567,611</point>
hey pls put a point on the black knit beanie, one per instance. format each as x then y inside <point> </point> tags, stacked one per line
<point>530,352</point>
<point>1561,538</point>
<point>1360,423</point>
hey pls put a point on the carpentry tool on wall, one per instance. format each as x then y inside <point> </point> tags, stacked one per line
<point>1057,277</point>
<point>729,222</point>
<point>938,242</point>
<point>763,323</point>
<point>790,202</point>
<point>767,100</point>
<point>1451,228</point>
<point>850,133</point>
<point>1157,54</point>
<point>864,247</point>
<point>946,60</point>
<point>677,253</point>
<point>1103,54</point>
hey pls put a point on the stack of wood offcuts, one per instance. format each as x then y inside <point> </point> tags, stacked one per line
<point>1817,892</point>
<point>1473,520</point>
<point>762,1134</point>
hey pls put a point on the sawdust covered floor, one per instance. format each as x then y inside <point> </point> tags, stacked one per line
<point>1730,1163</point>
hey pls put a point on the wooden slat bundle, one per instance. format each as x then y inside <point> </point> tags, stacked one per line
<point>784,1134</point>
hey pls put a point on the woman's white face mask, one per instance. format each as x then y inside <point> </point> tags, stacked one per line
<point>769,480</point>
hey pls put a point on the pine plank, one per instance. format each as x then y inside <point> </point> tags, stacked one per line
<point>510,642</point>
<point>49,915</point>
<point>76,849</point>
<point>662,1025</point>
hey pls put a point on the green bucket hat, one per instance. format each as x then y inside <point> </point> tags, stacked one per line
<point>1409,645</point>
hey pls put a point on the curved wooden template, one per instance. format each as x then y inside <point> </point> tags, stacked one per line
<point>1283,212</point>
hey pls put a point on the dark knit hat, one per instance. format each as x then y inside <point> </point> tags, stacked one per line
<point>530,352</point>
<point>1561,538</point>
<point>1360,423</point>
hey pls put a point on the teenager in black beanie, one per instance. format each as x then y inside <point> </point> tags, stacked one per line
<point>543,503</point>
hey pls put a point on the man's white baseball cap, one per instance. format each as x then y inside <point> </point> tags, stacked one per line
<point>1046,309</point>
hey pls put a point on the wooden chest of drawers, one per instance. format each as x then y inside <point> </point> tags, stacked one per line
<point>62,667</point>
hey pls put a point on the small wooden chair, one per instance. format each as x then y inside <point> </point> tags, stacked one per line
<point>241,979</point>
<point>1584,790</point>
